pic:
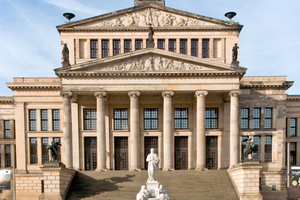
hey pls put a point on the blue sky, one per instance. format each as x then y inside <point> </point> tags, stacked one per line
<point>30,44</point>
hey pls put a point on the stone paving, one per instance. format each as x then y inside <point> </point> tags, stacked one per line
<point>180,185</point>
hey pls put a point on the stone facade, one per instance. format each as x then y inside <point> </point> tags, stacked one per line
<point>183,97</point>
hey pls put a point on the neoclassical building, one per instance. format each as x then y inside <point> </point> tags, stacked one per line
<point>151,77</point>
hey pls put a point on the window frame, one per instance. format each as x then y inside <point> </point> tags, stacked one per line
<point>194,48</point>
<point>293,127</point>
<point>245,118</point>
<point>161,42</point>
<point>32,120</point>
<point>211,119</point>
<point>181,119</point>
<point>126,48</point>
<point>151,119</point>
<point>136,44</point>
<point>94,48</point>
<point>268,118</point>
<point>116,47</point>
<point>7,131</point>
<point>183,46</point>
<point>90,123</point>
<point>205,48</point>
<point>268,145</point>
<point>33,150</point>
<point>55,120</point>
<point>257,118</point>
<point>123,121</point>
<point>45,151</point>
<point>7,155</point>
<point>170,48</point>
<point>105,48</point>
<point>44,121</point>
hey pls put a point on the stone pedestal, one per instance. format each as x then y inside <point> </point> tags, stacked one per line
<point>152,187</point>
<point>245,178</point>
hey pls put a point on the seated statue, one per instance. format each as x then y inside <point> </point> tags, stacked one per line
<point>143,194</point>
<point>162,194</point>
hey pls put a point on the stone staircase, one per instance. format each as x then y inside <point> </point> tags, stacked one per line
<point>180,185</point>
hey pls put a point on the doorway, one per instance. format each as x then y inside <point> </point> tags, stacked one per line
<point>121,153</point>
<point>212,152</point>
<point>181,152</point>
<point>90,149</point>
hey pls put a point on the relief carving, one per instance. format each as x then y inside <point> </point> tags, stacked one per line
<point>149,16</point>
<point>151,63</point>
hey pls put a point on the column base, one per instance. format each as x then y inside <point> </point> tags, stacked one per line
<point>201,169</point>
<point>168,169</point>
<point>101,169</point>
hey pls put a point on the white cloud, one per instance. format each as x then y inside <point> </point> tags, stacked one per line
<point>75,6</point>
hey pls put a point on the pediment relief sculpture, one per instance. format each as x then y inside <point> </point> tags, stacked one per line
<point>155,17</point>
<point>153,63</point>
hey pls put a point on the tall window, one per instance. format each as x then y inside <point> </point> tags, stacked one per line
<point>44,120</point>
<point>105,48</point>
<point>293,153</point>
<point>211,118</point>
<point>293,127</point>
<point>7,129</point>
<point>120,118</point>
<point>138,44</point>
<point>256,118</point>
<point>268,148</point>
<point>150,118</point>
<point>7,156</point>
<point>183,46</point>
<point>45,151</point>
<point>243,138</point>
<point>90,119</point>
<point>268,118</point>
<point>116,46</point>
<point>205,48</point>
<point>256,148</point>
<point>33,151</point>
<point>161,44</point>
<point>217,48</point>
<point>245,118</point>
<point>57,139</point>
<point>127,46</point>
<point>32,120</point>
<point>94,48</point>
<point>55,120</point>
<point>181,118</point>
<point>172,45</point>
<point>194,47</point>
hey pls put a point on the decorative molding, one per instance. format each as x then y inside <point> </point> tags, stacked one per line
<point>100,94</point>
<point>235,93</point>
<point>134,94</point>
<point>66,94</point>
<point>167,94</point>
<point>201,93</point>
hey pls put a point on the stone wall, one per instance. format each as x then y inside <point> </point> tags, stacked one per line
<point>29,186</point>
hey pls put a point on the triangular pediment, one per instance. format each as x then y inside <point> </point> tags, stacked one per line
<point>150,60</point>
<point>142,16</point>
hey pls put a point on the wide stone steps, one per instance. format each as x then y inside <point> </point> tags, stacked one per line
<point>180,185</point>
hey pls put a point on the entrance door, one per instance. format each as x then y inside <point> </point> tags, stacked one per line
<point>90,151</point>
<point>212,152</point>
<point>150,142</point>
<point>121,153</point>
<point>181,153</point>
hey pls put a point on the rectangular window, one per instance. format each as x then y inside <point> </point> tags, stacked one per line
<point>90,119</point>
<point>57,139</point>
<point>120,118</point>
<point>150,118</point>
<point>161,44</point>
<point>256,148</point>
<point>183,46</point>
<point>194,47</point>
<point>7,129</point>
<point>94,48</point>
<point>44,120</point>
<point>245,118</point>
<point>181,118</point>
<point>172,45</point>
<point>138,44</point>
<point>217,48</point>
<point>268,118</point>
<point>268,149</point>
<point>116,47</point>
<point>293,153</point>
<point>127,46</point>
<point>33,151</point>
<point>205,48</point>
<point>45,151</point>
<point>32,120</point>
<point>105,48</point>
<point>7,156</point>
<point>55,120</point>
<point>293,127</point>
<point>243,142</point>
<point>256,118</point>
<point>211,118</point>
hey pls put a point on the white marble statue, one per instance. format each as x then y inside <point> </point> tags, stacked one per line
<point>162,194</point>
<point>143,194</point>
<point>153,161</point>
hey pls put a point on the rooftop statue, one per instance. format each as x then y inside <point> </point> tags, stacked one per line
<point>235,52</point>
<point>65,55</point>
<point>54,151</point>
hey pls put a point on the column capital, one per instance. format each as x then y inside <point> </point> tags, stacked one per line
<point>134,94</point>
<point>235,93</point>
<point>100,94</point>
<point>66,94</point>
<point>167,94</point>
<point>201,93</point>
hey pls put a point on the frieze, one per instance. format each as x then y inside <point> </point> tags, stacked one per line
<point>152,63</point>
<point>155,17</point>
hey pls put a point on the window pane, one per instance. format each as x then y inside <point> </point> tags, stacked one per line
<point>172,45</point>
<point>256,118</point>
<point>45,151</point>
<point>127,46</point>
<point>138,44</point>
<point>116,46</point>
<point>105,48</point>
<point>181,118</point>
<point>90,119</point>
<point>244,118</point>
<point>268,118</point>
<point>205,48</point>
<point>293,127</point>
<point>268,148</point>
<point>194,47</point>
<point>7,129</point>
<point>211,118</point>
<point>161,44</point>
<point>183,43</point>
<point>150,118</point>
<point>120,118</point>
<point>56,120</point>
<point>33,151</point>
<point>44,118</point>
<point>7,156</point>
<point>32,120</point>
<point>94,48</point>
<point>256,148</point>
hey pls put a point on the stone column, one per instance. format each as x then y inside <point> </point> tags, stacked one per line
<point>234,126</point>
<point>67,129</point>
<point>101,137</point>
<point>200,124</point>
<point>135,163</point>
<point>167,131</point>
<point>2,146</point>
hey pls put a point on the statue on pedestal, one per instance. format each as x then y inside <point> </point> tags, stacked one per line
<point>153,161</point>
<point>53,148</point>
<point>248,150</point>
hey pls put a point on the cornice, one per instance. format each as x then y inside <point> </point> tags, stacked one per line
<point>285,85</point>
<point>293,98</point>
<point>33,87</point>
<point>9,100</point>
